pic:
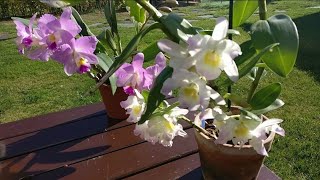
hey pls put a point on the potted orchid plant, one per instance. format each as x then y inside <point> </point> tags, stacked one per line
<point>192,67</point>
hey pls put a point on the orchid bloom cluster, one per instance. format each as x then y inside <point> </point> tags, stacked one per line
<point>55,38</point>
<point>201,59</point>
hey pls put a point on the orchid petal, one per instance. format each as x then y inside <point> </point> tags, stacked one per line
<point>137,61</point>
<point>221,29</point>
<point>216,96</point>
<point>258,145</point>
<point>86,44</point>
<point>172,48</point>
<point>230,68</point>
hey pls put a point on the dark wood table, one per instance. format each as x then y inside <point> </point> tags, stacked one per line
<point>82,143</point>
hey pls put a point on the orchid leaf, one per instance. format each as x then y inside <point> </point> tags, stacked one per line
<point>85,31</point>
<point>237,100</point>
<point>178,27</point>
<point>151,52</point>
<point>155,97</point>
<point>243,10</point>
<point>252,62</point>
<point>250,114</point>
<point>110,14</point>
<point>136,11</point>
<point>105,63</point>
<point>106,38</point>
<point>265,96</point>
<point>275,105</point>
<point>277,29</point>
<point>247,52</point>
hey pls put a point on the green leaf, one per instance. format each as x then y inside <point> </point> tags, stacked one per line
<point>277,29</point>
<point>247,52</point>
<point>243,9</point>
<point>105,63</point>
<point>136,11</point>
<point>85,31</point>
<point>106,38</point>
<point>236,100</point>
<point>275,105</point>
<point>155,97</point>
<point>265,96</point>
<point>151,52</point>
<point>177,26</point>
<point>110,14</point>
<point>252,62</point>
<point>250,114</point>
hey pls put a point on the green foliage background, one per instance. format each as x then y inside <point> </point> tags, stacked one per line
<point>26,8</point>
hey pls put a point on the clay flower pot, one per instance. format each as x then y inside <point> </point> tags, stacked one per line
<point>112,102</point>
<point>228,161</point>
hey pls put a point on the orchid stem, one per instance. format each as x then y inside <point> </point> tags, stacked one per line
<point>255,83</point>
<point>262,9</point>
<point>263,16</point>
<point>200,129</point>
<point>151,9</point>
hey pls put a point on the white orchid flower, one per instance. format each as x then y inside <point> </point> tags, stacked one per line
<point>246,130</point>
<point>193,92</point>
<point>209,54</point>
<point>259,134</point>
<point>162,129</point>
<point>135,106</point>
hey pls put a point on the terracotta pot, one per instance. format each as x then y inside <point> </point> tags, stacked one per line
<point>227,161</point>
<point>112,102</point>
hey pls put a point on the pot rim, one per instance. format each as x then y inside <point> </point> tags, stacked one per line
<point>269,139</point>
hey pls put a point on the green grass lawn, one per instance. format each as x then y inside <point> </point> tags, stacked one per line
<point>29,88</point>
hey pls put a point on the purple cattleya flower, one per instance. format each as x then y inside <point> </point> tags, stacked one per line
<point>134,76</point>
<point>26,36</point>
<point>160,64</point>
<point>77,55</point>
<point>56,32</point>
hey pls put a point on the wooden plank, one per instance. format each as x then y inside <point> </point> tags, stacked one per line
<point>33,124</point>
<point>188,167</point>
<point>59,134</point>
<point>68,153</point>
<point>184,168</point>
<point>124,162</point>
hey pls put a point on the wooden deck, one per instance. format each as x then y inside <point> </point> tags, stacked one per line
<point>82,143</point>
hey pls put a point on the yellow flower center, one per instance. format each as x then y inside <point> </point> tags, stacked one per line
<point>212,59</point>
<point>169,126</point>
<point>81,62</point>
<point>241,130</point>
<point>191,91</point>
<point>136,109</point>
<point>52,38</point>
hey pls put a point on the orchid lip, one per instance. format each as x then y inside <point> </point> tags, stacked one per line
<point>27,41</point>
<point>53,46</point>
